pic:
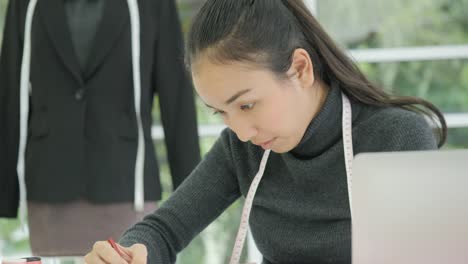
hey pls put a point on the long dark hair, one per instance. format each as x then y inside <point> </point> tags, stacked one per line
<point>267,32</point>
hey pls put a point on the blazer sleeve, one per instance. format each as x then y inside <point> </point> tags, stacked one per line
<point>176,100</point>
<point>10,67</point>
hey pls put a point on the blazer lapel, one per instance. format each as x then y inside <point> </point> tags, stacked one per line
<point>52,12</point>
<point>115,17</point>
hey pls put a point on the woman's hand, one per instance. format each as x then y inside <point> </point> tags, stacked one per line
<point>103,252</point>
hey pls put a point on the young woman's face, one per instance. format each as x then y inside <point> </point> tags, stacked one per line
<point>256,105</point>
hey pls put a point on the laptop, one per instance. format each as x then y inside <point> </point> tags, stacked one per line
<point>410,207</point>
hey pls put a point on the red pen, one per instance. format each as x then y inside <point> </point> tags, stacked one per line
<point>121,252</point>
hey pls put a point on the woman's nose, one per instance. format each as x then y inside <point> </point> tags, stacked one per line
<point>243,130</point>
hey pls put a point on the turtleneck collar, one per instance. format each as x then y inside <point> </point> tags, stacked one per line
<point>325,128</point>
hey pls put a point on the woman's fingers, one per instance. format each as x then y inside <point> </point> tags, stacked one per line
<point>92,258</point>
<point>138,253</point>
<point>126,253</point>
<point>103,252</point>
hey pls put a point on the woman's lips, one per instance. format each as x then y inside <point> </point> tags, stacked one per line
<point>267,144</point>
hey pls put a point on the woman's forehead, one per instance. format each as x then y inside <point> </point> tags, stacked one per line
<point>230,77</point>
<point>205,65</point>
<point>216,84</point>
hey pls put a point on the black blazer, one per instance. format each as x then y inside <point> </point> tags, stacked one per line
<point>82,135</point>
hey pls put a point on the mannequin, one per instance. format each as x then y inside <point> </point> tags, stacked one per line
<point>83,148</point>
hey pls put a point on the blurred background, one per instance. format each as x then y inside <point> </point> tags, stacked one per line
<point>417,48</point>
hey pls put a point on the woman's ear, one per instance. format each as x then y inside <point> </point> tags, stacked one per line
<point>302,68</point>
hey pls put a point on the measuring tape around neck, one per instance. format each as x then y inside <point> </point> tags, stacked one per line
<point>347,128</point>
<point>348,153</point>
<point>242,232</point>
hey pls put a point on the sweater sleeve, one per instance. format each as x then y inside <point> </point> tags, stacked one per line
<point>178,113</point>
<point>10,67</point>
<point>206,193</point>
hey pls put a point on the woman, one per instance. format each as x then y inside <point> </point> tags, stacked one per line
<point>280,84</point>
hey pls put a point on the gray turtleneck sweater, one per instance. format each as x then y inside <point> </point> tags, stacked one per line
<point>301,211</point>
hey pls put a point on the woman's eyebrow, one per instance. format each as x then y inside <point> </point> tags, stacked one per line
<point>232,98</point>
<point>237,95</point>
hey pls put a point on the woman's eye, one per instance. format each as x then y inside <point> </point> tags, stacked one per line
<point>247,107</point>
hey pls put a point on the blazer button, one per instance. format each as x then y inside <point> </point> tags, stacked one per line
<point>79,94</point>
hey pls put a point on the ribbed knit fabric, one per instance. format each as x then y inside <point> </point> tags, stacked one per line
<point>301,211</point>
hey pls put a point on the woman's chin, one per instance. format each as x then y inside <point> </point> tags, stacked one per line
<point>280,149</point>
